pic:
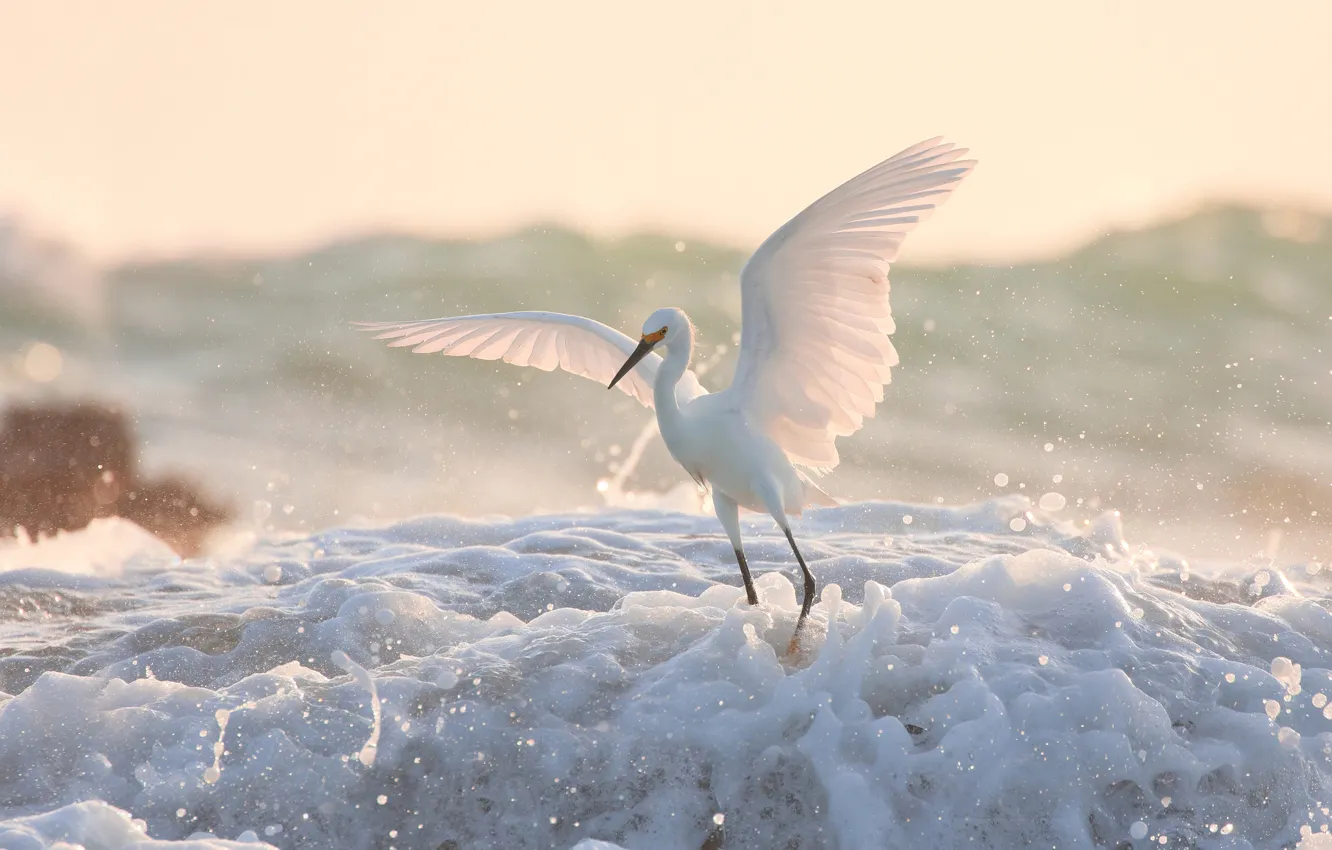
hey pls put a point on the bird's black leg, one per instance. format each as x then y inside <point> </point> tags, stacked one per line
<point>728,514</point>
<point>744,573</point>
<point>808,601</point>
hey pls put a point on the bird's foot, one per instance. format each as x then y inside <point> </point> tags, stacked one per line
<point>796,649</point>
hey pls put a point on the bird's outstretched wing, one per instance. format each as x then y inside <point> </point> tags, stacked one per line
<point>545,340</point>
<point>814,348</point>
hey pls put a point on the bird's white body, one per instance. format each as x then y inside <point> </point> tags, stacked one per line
<point>814,348</point>
<point>712,437</point>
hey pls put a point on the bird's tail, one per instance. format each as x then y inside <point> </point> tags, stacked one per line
<point>814,495</point>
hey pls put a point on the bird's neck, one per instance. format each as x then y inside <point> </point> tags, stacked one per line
<point>670,372</point>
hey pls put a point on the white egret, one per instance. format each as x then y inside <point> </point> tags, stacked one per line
<point>814,348</point>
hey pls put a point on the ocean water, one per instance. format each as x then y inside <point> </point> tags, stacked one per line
<point>1076,596</point>
<point>984,675</point>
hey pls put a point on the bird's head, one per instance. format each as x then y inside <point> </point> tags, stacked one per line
<point>664,328</point>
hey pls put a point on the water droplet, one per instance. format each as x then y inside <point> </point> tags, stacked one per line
<point>43,362</point>
<point>1001,480</point>
<point>1053,502</point>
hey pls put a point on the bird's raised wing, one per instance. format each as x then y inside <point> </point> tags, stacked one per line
<point>814,348</point>
<point>545,340</point>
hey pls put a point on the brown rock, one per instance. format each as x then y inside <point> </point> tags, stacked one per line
<point>62,466</point>
<point>173,511</point>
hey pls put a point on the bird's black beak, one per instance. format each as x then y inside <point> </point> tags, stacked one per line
<point>644,346</point>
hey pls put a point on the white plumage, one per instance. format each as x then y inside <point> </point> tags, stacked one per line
<point>815,318</point>
<point>546,341</point>
<point>814,348</point>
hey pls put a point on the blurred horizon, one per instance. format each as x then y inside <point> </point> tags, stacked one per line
<point>150,130</point>
<point>1177,373</point>
<point>1283,220</point>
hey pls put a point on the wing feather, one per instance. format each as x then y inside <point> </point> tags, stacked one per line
<point>814,347</point>
<point>575,344</point>
<point>545,356</point>
<point>520,350</point>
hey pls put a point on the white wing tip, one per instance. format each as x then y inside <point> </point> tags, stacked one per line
<point>387,330</point>
<point>939,146</point>
<point>371,327</point>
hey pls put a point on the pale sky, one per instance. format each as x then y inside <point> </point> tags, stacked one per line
<point>150,128</point>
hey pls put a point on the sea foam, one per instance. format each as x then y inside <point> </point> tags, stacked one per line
<point>596,680</point>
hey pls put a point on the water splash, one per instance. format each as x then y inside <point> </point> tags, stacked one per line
<point>368,752</point>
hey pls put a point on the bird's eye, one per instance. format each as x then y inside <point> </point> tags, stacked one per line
<point>663,330</point>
